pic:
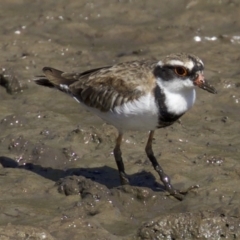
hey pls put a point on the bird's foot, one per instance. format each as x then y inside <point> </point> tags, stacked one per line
<point>123,178</point>
<point>180,194</point>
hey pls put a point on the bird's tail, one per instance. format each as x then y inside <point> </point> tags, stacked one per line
<point>54,79</point>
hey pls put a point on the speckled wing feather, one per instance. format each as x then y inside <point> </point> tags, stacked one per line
<point>107,87</point>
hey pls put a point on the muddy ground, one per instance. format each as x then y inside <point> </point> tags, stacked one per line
<point>58,178</point>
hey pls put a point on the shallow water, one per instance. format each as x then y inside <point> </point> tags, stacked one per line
<point>47,136</point>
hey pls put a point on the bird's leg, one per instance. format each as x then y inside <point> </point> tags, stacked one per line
<point>118,158</point>
<point>164,177</point>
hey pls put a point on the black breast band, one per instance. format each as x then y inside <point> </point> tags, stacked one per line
<point>165,118</point>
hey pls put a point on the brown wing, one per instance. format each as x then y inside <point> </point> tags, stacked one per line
<point>107,87</point>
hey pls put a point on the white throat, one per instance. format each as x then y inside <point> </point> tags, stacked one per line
<point>178,98</point>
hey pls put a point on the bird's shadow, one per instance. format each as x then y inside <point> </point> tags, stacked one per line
<point>104,175</point>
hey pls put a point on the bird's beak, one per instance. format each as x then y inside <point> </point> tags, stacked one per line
<point>203,84</point>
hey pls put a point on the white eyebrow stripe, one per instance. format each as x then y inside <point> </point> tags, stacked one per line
<point>160,63</point>
<point>188,64</point>
<point>201,62</point>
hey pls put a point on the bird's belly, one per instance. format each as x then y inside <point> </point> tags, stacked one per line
<point>134,122</point>
<point>137,115</point>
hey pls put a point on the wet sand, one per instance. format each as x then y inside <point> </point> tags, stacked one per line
<point>58,177</point>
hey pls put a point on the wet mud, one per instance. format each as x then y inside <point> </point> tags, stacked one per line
<point>58,177</point>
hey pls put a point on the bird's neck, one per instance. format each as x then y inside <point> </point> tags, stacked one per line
<point>180,102</point>
<point>172,105</point>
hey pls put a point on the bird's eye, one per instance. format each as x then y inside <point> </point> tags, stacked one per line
<point>181,71</point>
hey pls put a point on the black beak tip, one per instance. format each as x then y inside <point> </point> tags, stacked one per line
<point>215,91</point>
<point>206,86</point>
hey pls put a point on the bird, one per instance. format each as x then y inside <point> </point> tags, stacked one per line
<point>139,95</point>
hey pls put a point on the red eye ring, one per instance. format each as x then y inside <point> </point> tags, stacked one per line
<point>181,71</point>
